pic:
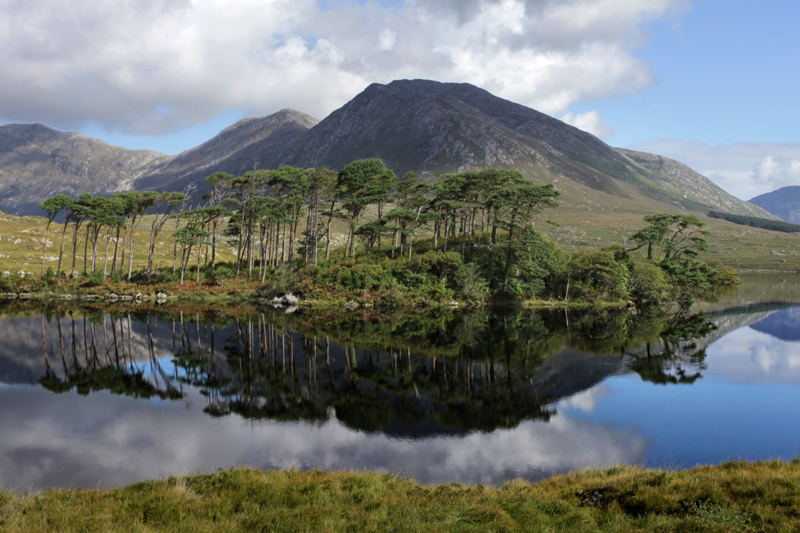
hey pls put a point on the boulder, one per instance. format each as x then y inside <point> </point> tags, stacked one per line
<point>290,300</point>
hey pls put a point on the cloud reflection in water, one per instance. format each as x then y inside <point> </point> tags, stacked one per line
<point>106,440</point>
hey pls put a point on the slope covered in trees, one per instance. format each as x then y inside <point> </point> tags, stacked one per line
<point>757,222</point>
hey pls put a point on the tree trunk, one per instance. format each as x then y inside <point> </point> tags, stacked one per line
<point>61,253</point>
<point>328,239</point>
<point>44,250</point>
<point>114,262</point>
<point>105,261</point>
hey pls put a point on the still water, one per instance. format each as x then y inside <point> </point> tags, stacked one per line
<point>90,399</point>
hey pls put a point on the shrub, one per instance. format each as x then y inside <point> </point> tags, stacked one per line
<point>223,274</point>
<point>469,280</point>
<point>597,274</point>
<point>95,278</point>
<point>648,286</point>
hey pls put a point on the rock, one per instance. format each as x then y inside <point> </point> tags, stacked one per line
<point>66,297</point>
<point>291,309</point>
<point>290,300</point>
<point>113,297</point>
<point>351,305</point>
<point>6,273</point>
<point>367,304</point>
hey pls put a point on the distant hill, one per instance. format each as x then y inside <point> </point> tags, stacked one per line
<point>37,162</point>
<point>419,125</point>
<point>783,203</point>
<point>237,149</point>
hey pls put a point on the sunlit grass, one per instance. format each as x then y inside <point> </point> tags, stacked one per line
<point>741,247</point>
<point>736,496</point>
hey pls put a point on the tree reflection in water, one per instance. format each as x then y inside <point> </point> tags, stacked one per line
<point>111,368</point>
<point>409,375</point>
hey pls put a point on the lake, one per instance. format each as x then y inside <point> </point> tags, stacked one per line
<point>104,397</point>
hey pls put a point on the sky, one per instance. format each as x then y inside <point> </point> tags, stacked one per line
<point>711,83</point>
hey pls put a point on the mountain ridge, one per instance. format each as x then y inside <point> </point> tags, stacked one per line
<point>420,125</point>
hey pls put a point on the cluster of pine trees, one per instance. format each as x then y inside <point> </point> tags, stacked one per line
<point>486,217</point>
<point>263,210</point>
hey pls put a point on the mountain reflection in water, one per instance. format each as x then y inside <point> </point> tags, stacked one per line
<point>462,396</point>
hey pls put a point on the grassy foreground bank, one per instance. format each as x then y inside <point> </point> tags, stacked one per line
<point>736,496</point>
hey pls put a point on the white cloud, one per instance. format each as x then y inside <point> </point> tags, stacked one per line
<point>745,170</point>
<point>160,65</point>
<point>590,122</point>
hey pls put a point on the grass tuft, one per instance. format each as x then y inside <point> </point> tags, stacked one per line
<point>735,496</point>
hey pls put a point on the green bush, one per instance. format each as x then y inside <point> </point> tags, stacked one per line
<point>648,286</point>
<point>597,275</point>
<point>49,275</point>
<point>223,274</point>
<point>94,278</point>
<point>470,282</point>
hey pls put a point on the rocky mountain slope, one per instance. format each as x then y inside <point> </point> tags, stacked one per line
<point>783,203</point>
<point>681,182</point>
<point>419,125</point>
<point>37,162</point>
<point>237,149</point>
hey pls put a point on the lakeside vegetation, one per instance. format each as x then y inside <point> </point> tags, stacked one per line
<point>735,496</point>
<point>471,236</point>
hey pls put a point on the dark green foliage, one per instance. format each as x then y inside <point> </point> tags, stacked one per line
<point>470,282</point>
<point>94,278</point>
<point>648,285</point>
<point>597,275</point>
<point>679,240</point>
<point>757,222</point>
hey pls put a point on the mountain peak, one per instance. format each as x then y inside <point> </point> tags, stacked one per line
<point>783,203</point>
<point>421,125</point>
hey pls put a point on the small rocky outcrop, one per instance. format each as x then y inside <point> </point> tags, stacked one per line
<point>288,301</point>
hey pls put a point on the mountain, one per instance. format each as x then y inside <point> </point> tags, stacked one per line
<point>419,125</point>
<point>783,203</point>
<point>37,162</point>
<point>249,142</point>
<point>681,182</point>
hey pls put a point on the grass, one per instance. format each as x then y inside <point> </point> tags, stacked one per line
<point>583,223</point>
<point>735,496</point>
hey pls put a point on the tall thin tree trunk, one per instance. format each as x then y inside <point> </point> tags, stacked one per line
<point>114,262</point>
<point>63,239</point>
<point>44,250</point>
<point>105,261</point>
